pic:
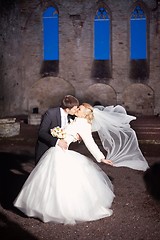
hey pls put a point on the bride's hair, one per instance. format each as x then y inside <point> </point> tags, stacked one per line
<point>88,112</point>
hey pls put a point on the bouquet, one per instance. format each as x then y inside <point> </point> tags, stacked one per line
<point>58,132</point>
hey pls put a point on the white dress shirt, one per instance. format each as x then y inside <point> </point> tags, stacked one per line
<point>64,119</point>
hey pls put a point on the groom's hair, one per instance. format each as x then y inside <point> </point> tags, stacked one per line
<point>69,101</point>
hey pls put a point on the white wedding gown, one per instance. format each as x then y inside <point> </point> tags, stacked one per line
<point>66,186</point>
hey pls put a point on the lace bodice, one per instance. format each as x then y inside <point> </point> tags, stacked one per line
<point>83,128</point>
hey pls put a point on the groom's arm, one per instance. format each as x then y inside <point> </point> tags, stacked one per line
<point>49,119</point>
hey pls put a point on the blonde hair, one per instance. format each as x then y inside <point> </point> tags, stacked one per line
<point>88,111</point>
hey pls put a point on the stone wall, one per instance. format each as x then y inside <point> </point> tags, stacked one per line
<point>21,38</point>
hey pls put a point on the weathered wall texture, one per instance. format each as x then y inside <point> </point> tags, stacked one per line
<point>21,59</point>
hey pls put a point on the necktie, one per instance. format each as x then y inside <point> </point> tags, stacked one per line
<point>70,118</point>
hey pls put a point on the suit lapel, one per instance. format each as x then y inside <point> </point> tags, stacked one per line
<point>59,117</point>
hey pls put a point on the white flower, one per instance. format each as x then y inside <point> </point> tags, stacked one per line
<point>58,132</point>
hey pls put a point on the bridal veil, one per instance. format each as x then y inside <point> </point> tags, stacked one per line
<point>119,140</point>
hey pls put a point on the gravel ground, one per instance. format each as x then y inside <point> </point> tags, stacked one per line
<point>136,213</point>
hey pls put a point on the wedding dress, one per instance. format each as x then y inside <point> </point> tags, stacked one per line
<point>66,186</point>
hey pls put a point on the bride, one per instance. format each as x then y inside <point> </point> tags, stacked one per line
<point>66,186</point>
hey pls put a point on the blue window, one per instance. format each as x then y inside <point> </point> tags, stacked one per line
<point>50,31</point>
<point>138,44</point>
<point>102,35</point>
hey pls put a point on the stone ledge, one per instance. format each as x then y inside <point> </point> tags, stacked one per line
<point>7,120</point>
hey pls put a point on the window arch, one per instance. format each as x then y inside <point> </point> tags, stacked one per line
<point>50,34</point>
<point>102,35</point>
<point>138,34</point>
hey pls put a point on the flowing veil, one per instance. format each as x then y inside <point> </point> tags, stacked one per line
<point>117,137</point>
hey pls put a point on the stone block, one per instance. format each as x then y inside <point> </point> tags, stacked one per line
<point>34,119</point>
<point>9,128</point>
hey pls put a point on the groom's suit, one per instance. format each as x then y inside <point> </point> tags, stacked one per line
<point>51,119</point>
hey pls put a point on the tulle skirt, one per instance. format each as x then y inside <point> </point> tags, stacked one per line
<point>66,187</point>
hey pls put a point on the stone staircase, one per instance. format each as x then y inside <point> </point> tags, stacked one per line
<point>147,129</point>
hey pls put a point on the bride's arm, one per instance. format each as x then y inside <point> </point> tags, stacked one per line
<point>84,130</point>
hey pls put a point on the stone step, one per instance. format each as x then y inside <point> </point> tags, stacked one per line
<point>146,121</point>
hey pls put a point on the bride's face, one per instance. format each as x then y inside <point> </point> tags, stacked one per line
<point>80,112</point>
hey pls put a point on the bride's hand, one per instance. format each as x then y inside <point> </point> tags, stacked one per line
<point>107,161</point>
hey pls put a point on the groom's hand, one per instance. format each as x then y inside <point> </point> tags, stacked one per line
<point>78,137</point>
<point>63,144</point>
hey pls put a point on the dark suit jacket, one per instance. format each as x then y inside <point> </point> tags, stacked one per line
<point>51,119</point>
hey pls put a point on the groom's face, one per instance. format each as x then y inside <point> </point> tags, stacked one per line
<point>72,111</point>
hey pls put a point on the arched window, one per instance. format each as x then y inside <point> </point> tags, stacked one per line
<point>138,34</point>
<point>102,35</point>
<point>50,31</point>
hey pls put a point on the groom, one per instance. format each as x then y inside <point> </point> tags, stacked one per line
<point>52,118</point>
